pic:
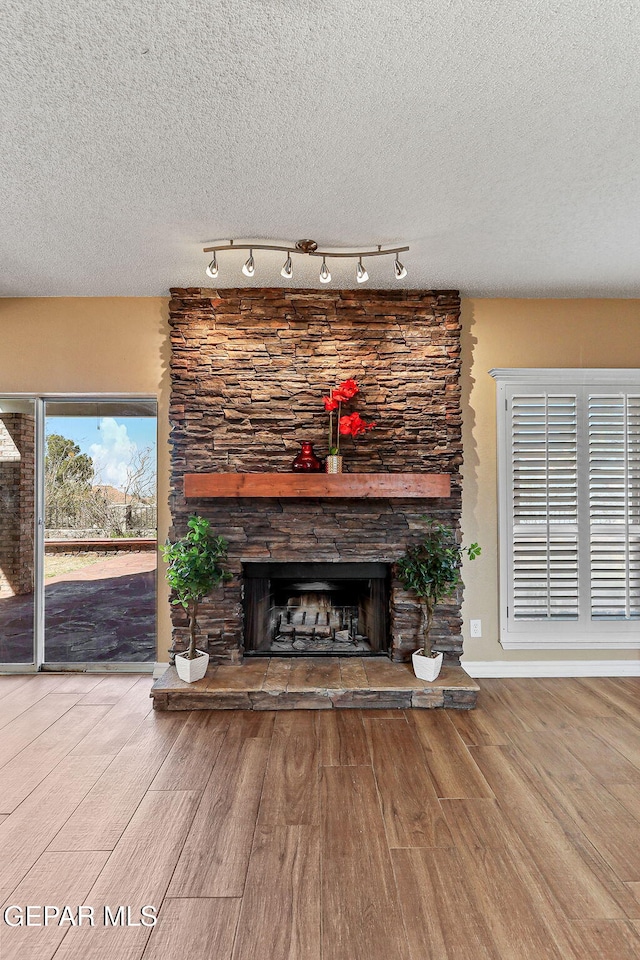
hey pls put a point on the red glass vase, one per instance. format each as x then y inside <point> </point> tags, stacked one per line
<point>306,461</point>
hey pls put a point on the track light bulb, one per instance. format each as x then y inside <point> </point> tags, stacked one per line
<point>361,274</point>
<point>287,270</point>
<point>399,270</point>
<point>212,269</point>
<point>249,267</point>
<point>325,276</point>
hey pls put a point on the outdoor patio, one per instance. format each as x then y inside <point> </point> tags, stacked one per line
<point>102,611</point>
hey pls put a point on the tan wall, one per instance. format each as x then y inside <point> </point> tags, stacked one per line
<point>523,333</point>
<point>94,345</point>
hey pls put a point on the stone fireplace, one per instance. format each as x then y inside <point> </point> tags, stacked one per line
<point>248,371</point>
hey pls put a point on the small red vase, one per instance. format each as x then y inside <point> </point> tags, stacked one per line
<point>306,461</point>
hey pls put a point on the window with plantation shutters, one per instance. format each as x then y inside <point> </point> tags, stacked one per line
<point>569,500</point>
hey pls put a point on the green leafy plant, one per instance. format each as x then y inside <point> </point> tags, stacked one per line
<point>431,570</point>
<point>196,567</point>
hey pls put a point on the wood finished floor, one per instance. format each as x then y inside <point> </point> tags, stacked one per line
<point>511,832</point>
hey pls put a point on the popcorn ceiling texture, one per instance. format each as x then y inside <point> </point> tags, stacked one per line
<point>498,138</point>
<point>248,371</point>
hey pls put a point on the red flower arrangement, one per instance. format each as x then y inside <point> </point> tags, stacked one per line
<point>349,425</point>
<point>353,425</point>
<point>346,390</point>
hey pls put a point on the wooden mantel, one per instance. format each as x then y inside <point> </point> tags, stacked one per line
<point>368,486</point>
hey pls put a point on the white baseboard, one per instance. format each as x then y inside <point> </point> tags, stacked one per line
<point>159,669</point>
<point>552,668</point>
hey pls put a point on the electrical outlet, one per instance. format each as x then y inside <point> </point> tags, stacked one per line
<point>475,628</point>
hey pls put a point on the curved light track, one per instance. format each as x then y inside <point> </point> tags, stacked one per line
<point>307,248</point>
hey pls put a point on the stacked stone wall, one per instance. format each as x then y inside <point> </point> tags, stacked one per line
<point>17,504</point>
<point>248,372</point>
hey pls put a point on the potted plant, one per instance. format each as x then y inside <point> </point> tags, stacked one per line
<point>196,566</point>
<point>349,425</point>
<point>431,570</point>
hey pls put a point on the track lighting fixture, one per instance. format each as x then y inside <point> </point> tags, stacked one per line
<point>325,276</point>
<point>212,269</point>
<point>399,269</point>
<point>310,248</point>
<point>287,270</point>
<point>249,267</point>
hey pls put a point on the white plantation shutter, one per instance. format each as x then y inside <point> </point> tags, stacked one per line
<point>545,506</point>
<point>569,482</point>
<point>614,494</point>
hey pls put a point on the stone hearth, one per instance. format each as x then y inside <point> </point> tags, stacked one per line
<point>248,371</point>
<point>315,684</point>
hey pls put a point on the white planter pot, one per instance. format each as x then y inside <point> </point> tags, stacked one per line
<point>426,668</point>
<point>190,670</point>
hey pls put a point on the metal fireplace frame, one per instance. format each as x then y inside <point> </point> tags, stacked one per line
<point>257,593</point>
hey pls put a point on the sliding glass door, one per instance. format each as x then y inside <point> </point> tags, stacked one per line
<point>78,532</point>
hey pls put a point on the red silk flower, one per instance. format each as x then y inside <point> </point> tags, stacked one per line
<point>353,425</point>
<point>346,390</point>
<point>330,403</point>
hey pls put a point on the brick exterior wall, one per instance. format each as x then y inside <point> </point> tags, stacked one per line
<point>248,370</point>
<point>17,504</point>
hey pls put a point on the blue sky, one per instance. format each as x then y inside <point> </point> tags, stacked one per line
<point>112,442</point>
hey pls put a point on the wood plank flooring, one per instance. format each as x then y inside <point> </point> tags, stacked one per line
<point>511,832</point>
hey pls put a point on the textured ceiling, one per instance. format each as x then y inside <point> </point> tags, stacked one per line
<point>499,138</point>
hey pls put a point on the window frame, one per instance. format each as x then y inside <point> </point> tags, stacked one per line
<point>584,633</point>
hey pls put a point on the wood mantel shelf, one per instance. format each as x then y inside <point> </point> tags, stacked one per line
<point>368,486</point>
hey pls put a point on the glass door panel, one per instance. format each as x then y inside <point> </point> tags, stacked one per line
<point>100,547</point>
<point>17,531</point>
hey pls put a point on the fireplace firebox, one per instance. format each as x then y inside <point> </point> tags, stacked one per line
<point>316,609</point>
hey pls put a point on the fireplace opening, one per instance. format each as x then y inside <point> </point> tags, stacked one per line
<point>316,609</point>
